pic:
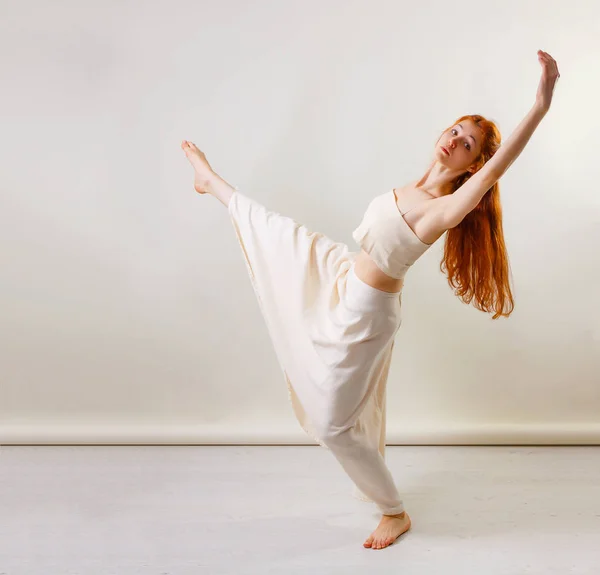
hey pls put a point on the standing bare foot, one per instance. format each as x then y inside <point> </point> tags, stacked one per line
<point>389,529</point>
<point>202,169</point>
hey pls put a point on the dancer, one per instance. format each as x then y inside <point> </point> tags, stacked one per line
<point>332,313</point>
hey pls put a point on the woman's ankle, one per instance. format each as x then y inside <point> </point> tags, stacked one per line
<point>220,189</point>
<point>398,516</point>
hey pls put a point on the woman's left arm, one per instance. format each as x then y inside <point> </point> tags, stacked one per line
<point>514,145</point>
<point>510,150</point>
<point>466,198</point>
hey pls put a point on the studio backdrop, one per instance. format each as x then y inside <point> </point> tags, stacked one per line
<point>127,313</point>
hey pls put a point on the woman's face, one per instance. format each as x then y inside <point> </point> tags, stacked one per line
<point>459,146</point>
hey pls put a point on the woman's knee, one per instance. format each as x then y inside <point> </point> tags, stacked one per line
<point>330,434</point>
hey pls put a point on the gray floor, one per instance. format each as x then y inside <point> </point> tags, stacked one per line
<point>278,509</point>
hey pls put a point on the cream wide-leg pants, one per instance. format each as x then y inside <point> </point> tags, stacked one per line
<point>333,336</point>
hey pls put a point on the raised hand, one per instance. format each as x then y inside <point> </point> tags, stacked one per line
<point>549,77</point>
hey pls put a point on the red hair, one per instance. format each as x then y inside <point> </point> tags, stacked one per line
<point>475,256</point>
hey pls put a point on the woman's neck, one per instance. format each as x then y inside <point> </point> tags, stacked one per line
<point>437,181</point>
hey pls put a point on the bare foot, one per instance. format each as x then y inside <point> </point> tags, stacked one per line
<point>389,529</point>
<point>202,169</point>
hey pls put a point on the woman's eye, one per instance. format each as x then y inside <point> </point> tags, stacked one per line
<point>468,145</point>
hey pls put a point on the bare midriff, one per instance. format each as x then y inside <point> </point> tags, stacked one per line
<point>421,207</point>
<point>367,271</point>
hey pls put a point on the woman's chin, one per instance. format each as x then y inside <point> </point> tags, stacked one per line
<point>441,157</point>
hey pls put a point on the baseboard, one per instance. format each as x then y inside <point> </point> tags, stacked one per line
<point>249,434</point>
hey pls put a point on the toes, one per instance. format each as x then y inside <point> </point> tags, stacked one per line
<point>373,543</point>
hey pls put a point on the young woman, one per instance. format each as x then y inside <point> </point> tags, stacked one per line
<point>332,313</point>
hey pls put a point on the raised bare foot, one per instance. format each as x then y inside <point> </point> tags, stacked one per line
<point>389,529</point>
<point>202,169</point>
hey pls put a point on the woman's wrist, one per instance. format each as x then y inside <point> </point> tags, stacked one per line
<point>540,109</point>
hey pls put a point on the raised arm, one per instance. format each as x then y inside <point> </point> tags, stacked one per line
<point>510,150</point>
<point>466,198</point>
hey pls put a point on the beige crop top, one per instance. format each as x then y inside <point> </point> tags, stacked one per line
<point>387,238</point>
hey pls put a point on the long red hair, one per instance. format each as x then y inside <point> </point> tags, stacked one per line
<point>475,256</point>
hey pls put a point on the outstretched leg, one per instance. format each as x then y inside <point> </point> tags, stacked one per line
<point>362,461</point>
<point>206,180</point>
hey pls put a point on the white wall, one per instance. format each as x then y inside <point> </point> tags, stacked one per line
<point>127,314</point>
